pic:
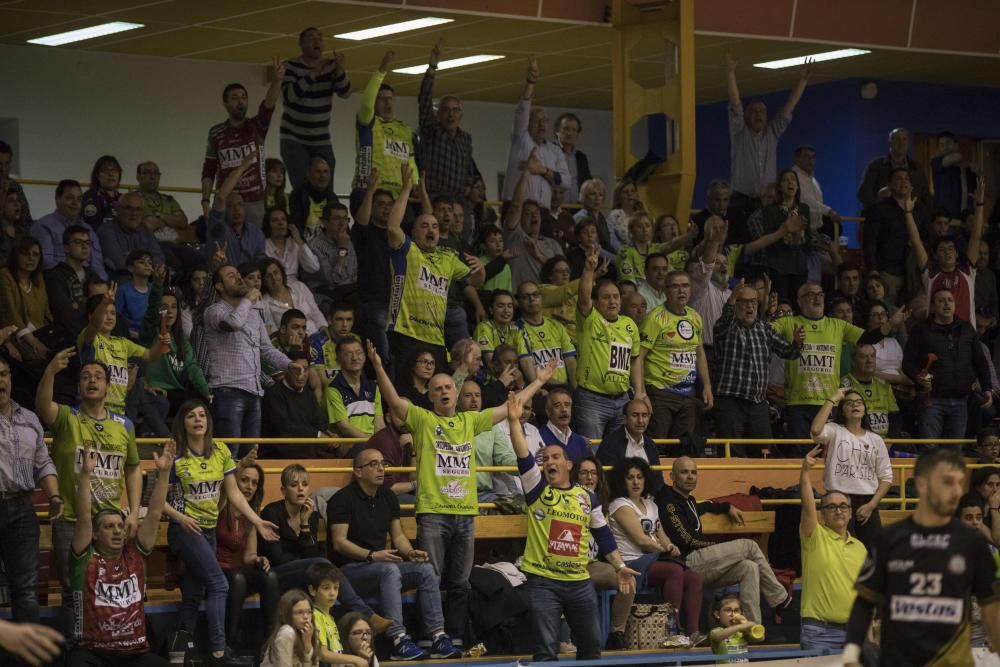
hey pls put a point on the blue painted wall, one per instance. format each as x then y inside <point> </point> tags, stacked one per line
<point>849,131</point>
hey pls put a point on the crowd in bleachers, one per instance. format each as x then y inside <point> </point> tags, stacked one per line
<point>417,317</point>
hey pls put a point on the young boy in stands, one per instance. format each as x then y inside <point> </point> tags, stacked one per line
<point>133,295</point>
<point>732,632</point>
<point>324,586</point>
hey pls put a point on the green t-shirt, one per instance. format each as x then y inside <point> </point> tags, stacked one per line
<point>502,280</point>
<point>490,335</point>
<point>631,263</point>
<point>114,352</point>
<point>359,408</point>
<point>605,352</point>
<point>559,527</point>
<point>446,465</point>
<point>673,340</point>
<point>879,400</point>
<point>545,341</point>
<point>814,375</point>
<point>197,481</point>
<point>326,631</point>
<point>420,290</point>
<point>735,645</point>
<point>113,438</point>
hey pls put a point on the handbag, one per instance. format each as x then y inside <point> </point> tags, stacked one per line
<point>646,626</point>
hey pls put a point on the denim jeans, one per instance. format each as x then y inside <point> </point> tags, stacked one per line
<point>596,415</point>
<point>456,325</point>
<point>942,417</point>
<point>203,578</point>
<point>814,636</point>
<point>237,415</point>
<point>293,575</point>
<point>449,540</point>
<point>388,580</point>
<point>297,157</point>
<point>577,601</point>
<point>372,318</point>
<point>799,418</point>
<point>19,555</point>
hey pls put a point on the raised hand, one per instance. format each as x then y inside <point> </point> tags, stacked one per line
<point>373,356</point>
<point>61,361</point>
<point>980,190</point>
<point>160,275</point>
<point>337,57</point>
<point>533,165</point>
<point>165,460</point>
<point>435,54</point>
<point>515,408</point>
<point>909,201</point>
<point>220,257</point>
<point>592,261</point>
<point>372,181</point>
<point>406,176</point>
<point>533,71</point>
<point>386,59</point>
<point>109,296</point>
<point>806,70</point>
<point>730,62</point>
<point>277,69</point>
<point>812,458</point>
<point>546,372</point>
<point>799,335</point>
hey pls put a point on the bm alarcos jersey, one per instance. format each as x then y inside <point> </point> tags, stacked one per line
<point>922,579</point>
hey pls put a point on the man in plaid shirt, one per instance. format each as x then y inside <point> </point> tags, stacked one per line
<point>743,347</point>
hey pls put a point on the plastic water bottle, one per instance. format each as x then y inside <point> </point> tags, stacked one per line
<point>673,627</point>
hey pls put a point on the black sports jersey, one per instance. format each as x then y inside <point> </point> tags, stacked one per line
<point>923,579</point>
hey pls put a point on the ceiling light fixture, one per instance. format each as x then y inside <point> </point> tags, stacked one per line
<point>816,57</point>
<point>450,64</point>
<point>85,33</point>
<point>393,28</point>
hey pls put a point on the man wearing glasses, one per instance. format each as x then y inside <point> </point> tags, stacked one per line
<point>65,282</point>
<point>831,561</point>
<point>814,374</point>
<point>360,516</point>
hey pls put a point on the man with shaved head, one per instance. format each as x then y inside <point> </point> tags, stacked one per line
<point>719,563</point>
<point>446,477</point>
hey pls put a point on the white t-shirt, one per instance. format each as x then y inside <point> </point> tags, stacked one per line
<point>854,465</point>
<point>889,356</point>
<point>649,518</point>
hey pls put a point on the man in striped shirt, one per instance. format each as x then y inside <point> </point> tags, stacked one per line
<point>307,88</point>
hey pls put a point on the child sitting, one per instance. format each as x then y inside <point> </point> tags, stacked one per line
<point>731,635</point>
<point>324,586</point>
<point>133,295</point>
<point>293,642</point>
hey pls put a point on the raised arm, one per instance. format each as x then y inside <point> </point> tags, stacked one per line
<point>234,177</point>
<point>394,226</point>
<point>585,301</point>
<point>425,98</point>
<point>530,79</point>
<point>398,405</point>
<point>45,407</point>
<point>366,106</point>
<point>800,86</point>
<point>808,520</point>
<point>83,531</point>
<point>364,215</point>
<point>731,86</point>
<point>513,218</point>
<point>96,317</point>
<point>821,418</point>
<point>975,238</point>
<point>793,224</point>
<point>164,462</point>
<point>515,408</point>
<point>542,376</point>
<point>277,76</point>
<point>914,234</point>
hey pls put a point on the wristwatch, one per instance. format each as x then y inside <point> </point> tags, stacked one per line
<point>369,556</point>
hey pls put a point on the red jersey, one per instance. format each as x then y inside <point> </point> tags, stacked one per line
<point>961,283</point>
<point>226,147</point>
<point>108,596</point>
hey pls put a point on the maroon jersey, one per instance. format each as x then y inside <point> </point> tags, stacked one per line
<point>226,147</point>
<point>108,598</point>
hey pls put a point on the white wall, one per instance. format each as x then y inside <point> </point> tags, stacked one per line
<point>73,106</point>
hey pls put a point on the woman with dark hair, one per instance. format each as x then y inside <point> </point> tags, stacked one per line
<point>785,261</point>
<point>645,547</point>
<point>857,460</point>
<point>100,200</point>
<point>275,185</point>
<point>284,243</point>
<point>25,300</point>
<point>196,292</point>
<point>280,295</point>
<point>475,195</point>
<point>236,550</point>
<point>203,470</point>
<point>414,376</point>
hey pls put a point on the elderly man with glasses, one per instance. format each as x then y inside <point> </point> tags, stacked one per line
<point>831,560</point>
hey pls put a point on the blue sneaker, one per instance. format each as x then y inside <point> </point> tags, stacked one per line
<point>443,648</point>
<point>405,649</point>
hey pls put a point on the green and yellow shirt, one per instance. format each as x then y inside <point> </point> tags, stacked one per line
<point>605,352</point>
<point>420,285</point>
<point>880,402</point>
<point>197,482</point>
<point>814,375</point>
<point>673,340</point>
<point>114,352</point>
<point>544,341</point>
<point>358,408</point>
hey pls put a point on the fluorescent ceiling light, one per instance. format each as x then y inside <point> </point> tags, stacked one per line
<point>816,57</point>
<point>85,33</point>
<point>450,64</point>
<point>393,28</point>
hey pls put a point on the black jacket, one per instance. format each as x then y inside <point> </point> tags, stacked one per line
<point>612,450</point>
<point>960,358</point>
<point>67,299</point>
<point>681,521</point>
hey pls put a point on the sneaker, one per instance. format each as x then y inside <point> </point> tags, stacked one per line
<point>567,647</point>
<point>405,649</point>
<point>443,648</point>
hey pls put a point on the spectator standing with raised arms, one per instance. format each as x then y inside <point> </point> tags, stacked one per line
<point>235,138</point>
<point>446,149</point>
<point>446,478</point>
<point>875,183</point>
<point>307,90</point>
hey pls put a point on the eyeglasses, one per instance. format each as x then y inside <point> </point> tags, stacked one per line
<point>530,295</point>
<point>783,313</point>
<point>372,465</point>
<point>303,612</point>
<point>425,362</point>
<point>587,473</point>
<point>361,633</point>
<point>843,507</point>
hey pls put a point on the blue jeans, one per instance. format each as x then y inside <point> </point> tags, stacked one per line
<point>577,601</point>
<point>456,325</point>
<point>19,556</point>
<point>203,578</point>
<point>449,540</point>
<point>389,580</point>
<point>596,415</point>
<point>799,418</point>
<point>297,157</point>
<point>942,417</point>
<point>237,415</point>
<point>372,319</point>
<point>293,575</point>
<point>814,636</point>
